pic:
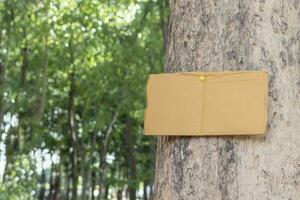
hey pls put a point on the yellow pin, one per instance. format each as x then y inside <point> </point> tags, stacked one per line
<point>202,78</point>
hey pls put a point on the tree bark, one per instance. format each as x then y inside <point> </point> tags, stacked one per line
<point>236,35</point>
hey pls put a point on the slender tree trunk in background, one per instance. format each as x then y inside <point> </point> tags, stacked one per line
<point>119,193</point>
<point>240,35</point>
<point>163,8</point>
<point>150,183</point>
<point>43,99</point>
<point>72,125</point>
<point>13,139</point>
<point>103,163</point>
<point>56,188</point>
<point>151,193</point>
<point>85,170</point>
<point>103,168</point>
<point>130,158</point>
<point>145,195</point>
<point>20,103</point>
<point>25,64</point>
<point>2,80</point>
<point>2,88</point>
<point>42,182</point>
<point>120,178</point>
<point>51,184</point>
<point>68,185</point>
<point>102,173</point>
<point>73,135</point>
<point>106,191</point>
<point>5,24</point>
<point>93,184</point>
<point>41,111</point>
<point>92,173</point>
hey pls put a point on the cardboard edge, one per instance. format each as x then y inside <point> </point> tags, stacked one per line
<point>208,134</point>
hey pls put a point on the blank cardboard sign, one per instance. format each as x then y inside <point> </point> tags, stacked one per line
<point>212,103</point>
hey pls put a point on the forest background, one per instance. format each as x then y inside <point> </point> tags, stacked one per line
<point>72,96</point>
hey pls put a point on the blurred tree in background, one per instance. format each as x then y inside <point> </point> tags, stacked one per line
<point>72,97</point>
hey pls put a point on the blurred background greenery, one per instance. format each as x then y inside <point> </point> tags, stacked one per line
<point>72,96</point>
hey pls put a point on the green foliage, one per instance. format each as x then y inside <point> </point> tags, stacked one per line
<point>110,47</point>
<point>22,180</point>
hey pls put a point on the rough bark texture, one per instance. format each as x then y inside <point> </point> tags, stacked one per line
<point>236,35</point>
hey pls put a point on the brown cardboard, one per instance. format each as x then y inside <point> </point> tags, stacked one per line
<point>212,103</point>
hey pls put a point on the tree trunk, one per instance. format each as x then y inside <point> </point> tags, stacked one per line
<point>93,186</point>
<point>103,152</point>
<point>13,143</point>
<point>43,99</point>
<point>145,195</point>
<point>2,89</point>
<point>119,193</point>
<point>42,181</point>
<point>56,187</point>
<point>85,170</point>
<point>151,193</point>
<point>106,191</point>
<point>67,197</point>
<point>236,35</point>
<point>51,184</point>
<point>130,158</point>
<point>72,125</point>
<point>163,5</point>
<point>5,24</point>
<point>92,160</point>
<point>73,136</point>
